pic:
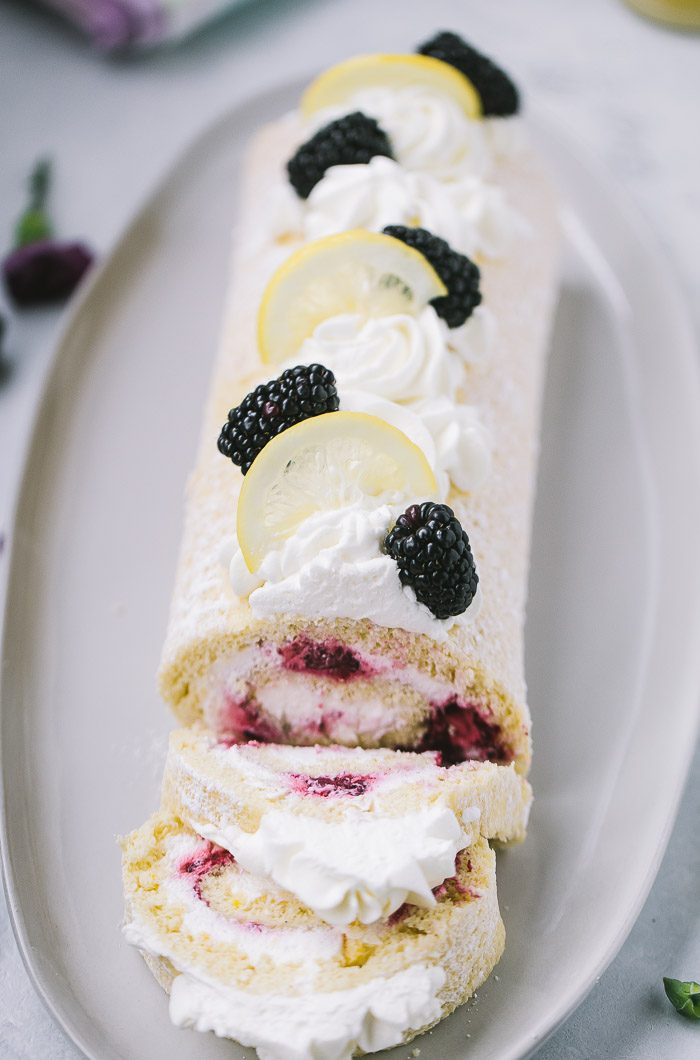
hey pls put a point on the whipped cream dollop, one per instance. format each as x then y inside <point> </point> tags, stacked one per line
<point>470,213</point>
<point>405,370</point>
<point>326,1025</point>
<point>428,130</point>
<point>399,357</point>
<point>452,437</point>
<point>461,443</point>
<point>360,866</point>
<point>333,566</point>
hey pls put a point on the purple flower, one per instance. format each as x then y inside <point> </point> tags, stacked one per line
<point>117,24</point>
<point>45,271</point>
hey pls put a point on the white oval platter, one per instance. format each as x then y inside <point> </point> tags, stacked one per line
<point>612,633</point>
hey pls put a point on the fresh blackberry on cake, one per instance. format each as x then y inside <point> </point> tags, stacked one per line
<point>351,140</point>
<point>433,555</point>
<point>459,274</point>
<point>499,96</point>
<point>297,394</point>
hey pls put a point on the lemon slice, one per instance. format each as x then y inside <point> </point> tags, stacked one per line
<point>353,272</point>
<point>321,464</point>
<point>338,85</point>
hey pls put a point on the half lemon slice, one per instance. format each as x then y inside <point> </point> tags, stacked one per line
<point>340,83</point>
<point>322,464</point>
<point>353,272</point>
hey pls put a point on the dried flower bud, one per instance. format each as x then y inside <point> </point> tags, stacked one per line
<point>45,271</point>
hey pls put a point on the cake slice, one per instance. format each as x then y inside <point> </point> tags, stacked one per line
<point>354,834</point>
<point>245,959</point>
<point>326,661</point>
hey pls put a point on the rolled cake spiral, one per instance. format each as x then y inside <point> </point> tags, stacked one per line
<point>353,833</point>
<point>307,678</point>
<point>245,959</point>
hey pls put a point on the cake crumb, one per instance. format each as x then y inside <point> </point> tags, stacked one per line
<point>415,1052</point>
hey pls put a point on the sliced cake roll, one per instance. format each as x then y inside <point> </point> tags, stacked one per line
<point>354,834</point>
<point>246,959</point>
<point>355,554</point>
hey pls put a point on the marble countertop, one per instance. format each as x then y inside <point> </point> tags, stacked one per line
<point>627,90</point>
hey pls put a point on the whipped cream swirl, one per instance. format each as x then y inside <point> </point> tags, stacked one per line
<point>428,130</point>
<point>405,370</point>
<point>361,867</point>
<point>400,357</point>
<point>472,215</point>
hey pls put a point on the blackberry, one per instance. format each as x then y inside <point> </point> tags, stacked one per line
<point>349,140</point>
<point>296,395</point>
<point>459,274</point>
<point>433,556</point>
<point>499,96</point>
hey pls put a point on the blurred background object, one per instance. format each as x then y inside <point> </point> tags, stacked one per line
<point>39,269</point>
<point>116,24</point>
<point>682,13</point>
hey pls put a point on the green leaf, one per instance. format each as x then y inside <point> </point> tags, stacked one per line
<point>32,226</point>
<point>684,996</point>
<point>34,223</point>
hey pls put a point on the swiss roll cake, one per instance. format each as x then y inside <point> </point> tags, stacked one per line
<point>345,644</point>
<point>357,529</point>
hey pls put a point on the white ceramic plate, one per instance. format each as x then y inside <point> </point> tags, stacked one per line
<point>612,633</point>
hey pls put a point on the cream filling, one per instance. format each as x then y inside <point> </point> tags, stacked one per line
<point>360,867</point>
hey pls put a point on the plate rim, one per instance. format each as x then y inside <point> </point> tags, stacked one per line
<point>685,356</point>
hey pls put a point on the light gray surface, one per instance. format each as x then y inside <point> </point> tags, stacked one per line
<point>628,90</point>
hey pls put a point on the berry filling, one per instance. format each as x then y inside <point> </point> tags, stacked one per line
<point>400,914</point>
<point>339,785</point>
<point>240,722</point>
<point>455,731</point>
<point>460,733</point>
<point>328,658</point>
<point>206,859</point>
<point>452,888</point>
